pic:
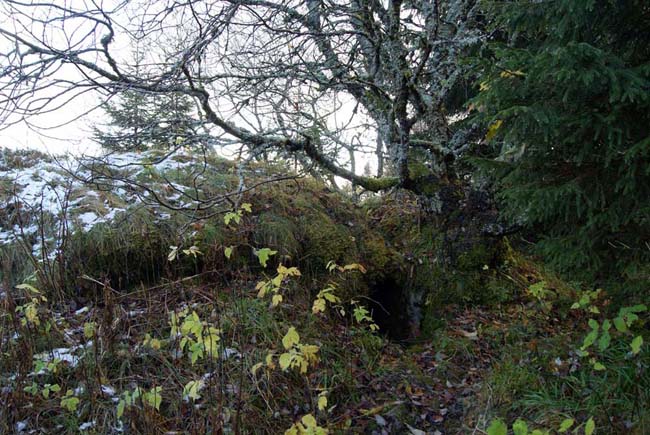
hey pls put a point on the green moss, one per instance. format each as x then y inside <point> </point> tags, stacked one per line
<point>278,233</point>
<point>377,256</point>
<point>325,241</point>
<point>306,222</point>
<point>379,184</point>
<point>133,253</point>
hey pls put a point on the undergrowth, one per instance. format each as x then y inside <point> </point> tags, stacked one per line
<point>264,318</point>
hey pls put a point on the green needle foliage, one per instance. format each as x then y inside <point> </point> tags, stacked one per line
<point>138,121</point>
<point>565,94</point>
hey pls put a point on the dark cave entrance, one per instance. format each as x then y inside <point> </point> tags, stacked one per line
<point>389,307</point>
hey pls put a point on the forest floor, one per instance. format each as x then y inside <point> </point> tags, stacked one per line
<point>443,384</point>
<point>120,317</point>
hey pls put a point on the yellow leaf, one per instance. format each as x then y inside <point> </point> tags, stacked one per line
<point>285,361</point>
<point>290,271</point>
<point>291,338</point>
<point>309,350</point>
<point>492,129</point>
<point>89,330</point>
<point>269,361</point>
<point>193,251</point>
<point>255,368</point>
<point>354,266</point>
<point>319,306</point>
<point>29,287</point>
<point>331,297</point>
<point>509,73</point>
<point>322,401</point>
<point>276,300</point>
<point>263,288</point>
<point>309,421</point>
<point>246,207</point>
<point>151,342</point>
<point>31,312</point>
<point>303,364</point>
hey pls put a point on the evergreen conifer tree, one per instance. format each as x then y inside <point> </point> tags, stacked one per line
<point>138,121</point>
<point>565,96</point>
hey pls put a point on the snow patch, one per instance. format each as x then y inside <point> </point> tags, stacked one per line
<point>108,390</point>
<point>87,425</point>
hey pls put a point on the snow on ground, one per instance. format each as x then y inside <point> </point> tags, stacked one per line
<point>63,354</point>
<point>48,187</point>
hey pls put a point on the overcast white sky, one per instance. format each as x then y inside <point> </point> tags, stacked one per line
<point>55,132</point>
<point>67,130</point>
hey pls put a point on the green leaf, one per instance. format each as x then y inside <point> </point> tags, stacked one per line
<point>331,297</point>
<point>590,339</point>
<point>520,427</point>
<point>232,216</point>
<point>638,308</point>
<point>247,207</point>
<point>607,325</point>
<point>497,427</point>
<point>291,338</point>
<point>604,340</point>
<point>264,254</point>
<point>538,289</point>
<point>619,323</point>
<point>70,403</point>
<point>191,389</point>
<point>636,344</point>
<point>593,324</point>
<point>590,426</point>
<point>566,425</point>
<point>120,408</point>
<point>630,318</point>
<point>153,397</point>
<point>598,366</point>
<point>227,251</point>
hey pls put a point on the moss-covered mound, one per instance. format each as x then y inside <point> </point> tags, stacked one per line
<point>120,229</point>
<point>120,226</point>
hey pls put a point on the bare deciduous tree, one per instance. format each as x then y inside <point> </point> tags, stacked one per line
<point>320,79</point>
